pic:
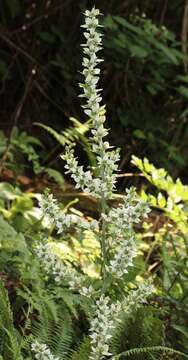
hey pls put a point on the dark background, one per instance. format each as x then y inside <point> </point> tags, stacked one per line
<point>144,74</point>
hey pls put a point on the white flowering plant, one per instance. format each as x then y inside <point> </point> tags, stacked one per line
<point>115,227</point>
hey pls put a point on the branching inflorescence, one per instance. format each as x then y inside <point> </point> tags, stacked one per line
<point>115,227</point>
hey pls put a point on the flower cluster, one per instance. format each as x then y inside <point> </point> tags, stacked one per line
<point>107,159</point>
<point>83,179</point>
<point>127,214</point>
<point>138,296</point>
<point>50,263</point>
<point>49,208</point>
<point>42,352</point>
<point>60,271</point>
<point>121,235</point>
<point>123,257</point>
<point>106,316</point>
<point>102,326</point>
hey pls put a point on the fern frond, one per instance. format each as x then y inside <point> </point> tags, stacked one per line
<point>82,353</point>
<point>50,323</point>
<point>57,336</point>
<point>13,346</point>
<point>72,134</point>
<point>9,346</point>
<point>142,328</point>
<point>69,135</point>
<point>74,302</point>
<point>40,300</point>
<point>149,349</point>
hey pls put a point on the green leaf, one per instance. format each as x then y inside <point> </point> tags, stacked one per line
<point>184,113</point>
<point>182,329</point>
<point>168,52</point>
<point>83,352</point>
<point>8,192</point>
<point>149,349</point>
<point>109,23</point>
<point>56,175</point>
<point>183,91</point>
<point>151,89</point>
<point>183,78</point>
<point>139,134</point>
<point>161,200</point>
<point>120,20</point>
<point>10,347</point>
<point>152,200</point>
<point>138,51</point>
<point>10,238</point>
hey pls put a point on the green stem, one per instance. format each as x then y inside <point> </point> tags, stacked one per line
<point>103,240</point>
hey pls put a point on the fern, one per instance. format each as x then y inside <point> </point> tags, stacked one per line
<point>57,335</point>
<point>142,328</point>
<point>40,300</point>
<point>9,346</point>
<point>51,321</point>
<point>72,134</point>
<point>73,301</point>
<point>69,135</point>
<point>56,176</point>
<point>58,319</point>
<point>83,351</point>
<point>145,350</point>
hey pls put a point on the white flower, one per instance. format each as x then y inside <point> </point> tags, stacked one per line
<point>62,272</point>
<point>120,233</point>
<point>62,221</point>
<point>123,258</point>
<point>138,296</point>
<point>104,184</point>
<point>102,326</point>
<point>42,352</point>
<point>87,291</point>
<point>50,263</point>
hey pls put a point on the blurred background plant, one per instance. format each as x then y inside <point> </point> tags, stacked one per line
<point>166,244</point>
<point>144,73</point>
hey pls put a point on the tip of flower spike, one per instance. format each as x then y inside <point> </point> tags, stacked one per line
<point>92,13</point>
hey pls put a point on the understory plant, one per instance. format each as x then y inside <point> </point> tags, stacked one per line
<point>168,245</point>
<point>108,295</point>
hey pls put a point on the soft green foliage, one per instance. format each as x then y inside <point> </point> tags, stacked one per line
<point>75,133</point>
<point>9,345</point>
<point>144,77</point>
<point>20,150</point>
<point>149,350</point>
<point>134,44</point>
<point>20,145</point>
<point>175,198</point>
<point>17,206</point>
<point>142,328</point>
<point>170,242</point>
<point>83,351</point>
<point>55,331</point>
<point>69,135</point>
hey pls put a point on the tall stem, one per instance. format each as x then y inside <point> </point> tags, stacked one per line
<point>104,207</point>
<point>103,238</point>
